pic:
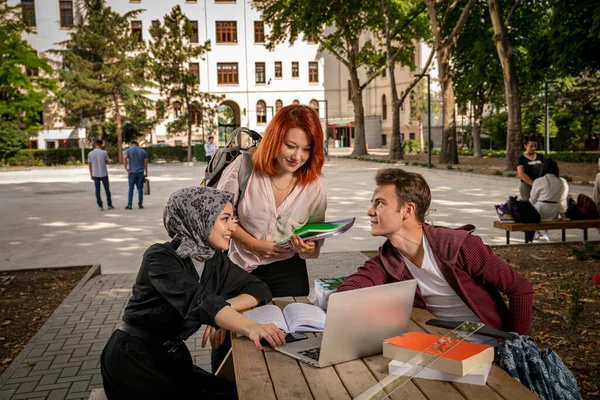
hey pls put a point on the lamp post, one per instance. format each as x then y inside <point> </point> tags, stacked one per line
<point>546,124</point>
<point>326,139</point>
<point>428,119</point>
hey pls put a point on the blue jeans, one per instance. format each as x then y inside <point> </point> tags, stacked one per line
<point>137,179</point>
<point>104,181</point>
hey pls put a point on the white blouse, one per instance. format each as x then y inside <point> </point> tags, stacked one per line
<point>553,189</point>
<point>259,216</point>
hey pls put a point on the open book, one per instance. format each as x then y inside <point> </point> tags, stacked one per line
<point>322,230</point>
<point>295,317</point>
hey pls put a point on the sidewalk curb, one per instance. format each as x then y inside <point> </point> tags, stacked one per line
<point>14,365</point>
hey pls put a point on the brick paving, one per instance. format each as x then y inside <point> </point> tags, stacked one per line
<point>62,361</point>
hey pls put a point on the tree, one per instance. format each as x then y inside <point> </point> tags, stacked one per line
<point>337,26</point>
<point>444,39</point>
<point>404,24</point>
<point>104,63</point>
<point>25,82</point>
<point>172,51</point>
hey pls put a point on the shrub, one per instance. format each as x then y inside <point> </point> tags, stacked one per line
<point>415,163</point>
<point>168,154</point>
<point>567,178</point>
<point>449,166</point>
<point>498,172</point>
<point>199,152</point>
<point>511,174</point>
<point>470,170</point>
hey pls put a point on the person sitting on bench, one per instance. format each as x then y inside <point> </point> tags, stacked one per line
<point>458,277</point>
<point>182,285</point>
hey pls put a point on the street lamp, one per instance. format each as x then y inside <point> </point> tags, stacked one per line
<point>546,125</point>
<point>326,141</point>
<point>428,119</point>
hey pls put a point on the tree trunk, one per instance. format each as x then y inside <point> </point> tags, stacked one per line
<point>477,112</point>
<point>421,140</point>
<point>449,152</point>
<point>360,148</point>
<point>511,86</point>
<point>118,123</point>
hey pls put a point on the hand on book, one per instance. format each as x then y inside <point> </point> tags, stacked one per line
<point>216,336</point>
<point>269,332</point>
<point>266,249</point>
<point>300,246</point>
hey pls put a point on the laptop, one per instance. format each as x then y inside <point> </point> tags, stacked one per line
<point>357,323</point>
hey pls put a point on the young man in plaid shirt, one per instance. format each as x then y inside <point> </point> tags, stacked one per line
<point>458,276</point>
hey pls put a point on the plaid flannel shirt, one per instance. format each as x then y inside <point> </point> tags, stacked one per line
<point>470,267</point>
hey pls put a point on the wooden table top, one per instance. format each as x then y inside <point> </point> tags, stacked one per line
<point>273,375</point>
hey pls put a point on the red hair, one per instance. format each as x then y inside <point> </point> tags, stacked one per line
<point>294,116</point>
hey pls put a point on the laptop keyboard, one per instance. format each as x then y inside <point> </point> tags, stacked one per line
<point>312,353</point>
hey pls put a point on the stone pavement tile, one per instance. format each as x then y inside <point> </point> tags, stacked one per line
<point>68,372</point>
<point>49,379</point>
<point>27,387</point>
<point>61,359</point>
<point>54,386</point>
<point>78,378</point>
<point>79,387</point>
<point>28,396</point>
<point>58,394</point>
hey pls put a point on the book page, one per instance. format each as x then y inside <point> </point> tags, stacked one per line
<point>302,317</point>
<point>267,314</point>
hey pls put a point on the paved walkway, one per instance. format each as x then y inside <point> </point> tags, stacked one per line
<point>49,216</point>
<point>62,361</point>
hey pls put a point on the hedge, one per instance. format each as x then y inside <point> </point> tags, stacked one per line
<point>72,156</point>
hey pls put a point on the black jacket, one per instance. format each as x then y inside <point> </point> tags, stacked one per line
<point>168,301</point>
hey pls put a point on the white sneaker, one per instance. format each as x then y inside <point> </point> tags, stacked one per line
<point>545,237</point>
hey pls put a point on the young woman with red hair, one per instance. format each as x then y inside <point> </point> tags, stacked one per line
<point>284,192</point>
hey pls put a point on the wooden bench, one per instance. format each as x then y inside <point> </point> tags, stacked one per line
<point>550,225</point>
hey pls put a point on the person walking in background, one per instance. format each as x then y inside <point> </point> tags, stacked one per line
<point>97,161</point>
<point>136,165</point>
<point>529,167</point>
<point>209,149</point>
<point>549,195</point>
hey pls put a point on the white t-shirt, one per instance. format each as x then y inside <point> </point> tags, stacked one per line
<point>442,301</point>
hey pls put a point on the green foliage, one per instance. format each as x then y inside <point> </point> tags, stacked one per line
<point>172,51</point>
<point>470,170</point>
<point>574,302</point>
<point>167,154</point>
<point>498,173</point>
<point>567,178</point>
<point>103,72</point>
<point>511,174</point>
<point>415,163</point>
<point>199,152</point>
<point>589,251</point>
<point>12,139</point>
<point>411,146</point>
<point>496,126</point>
<point>21,96</point>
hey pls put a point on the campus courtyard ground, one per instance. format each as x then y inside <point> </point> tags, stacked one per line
<point>50,219</point>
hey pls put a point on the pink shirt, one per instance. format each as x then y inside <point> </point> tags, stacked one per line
<point>258,215</point>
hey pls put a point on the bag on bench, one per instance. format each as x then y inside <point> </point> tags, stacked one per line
<point>523,211</point>
<point>582,209</point>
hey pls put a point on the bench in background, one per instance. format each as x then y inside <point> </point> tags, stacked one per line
<point>550,225</point>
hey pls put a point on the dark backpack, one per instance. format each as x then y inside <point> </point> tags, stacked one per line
<point>523,211</point>
<point>582,209</point>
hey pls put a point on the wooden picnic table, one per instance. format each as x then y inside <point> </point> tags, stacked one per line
<point>273,375</point>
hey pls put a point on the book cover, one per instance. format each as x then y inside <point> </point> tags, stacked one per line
<point>460,360</point>
<point>476,377</point>
<point>323,288</point>
<point>319,231</point>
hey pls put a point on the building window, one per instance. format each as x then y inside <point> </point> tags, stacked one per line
<point>33,144</point>
<point>383,107</point>
<point>41,117</point>
<point>28,12</point>
<point>195,70</point>
<point>136,29</point>
<point>413,58</point>
<point>177,109</point>
<point>261,112</point>
<point>259,32</point>
<point>295,69</point>
<point>194,38</point>
<point>411,136</point>
<point>226,31</point>
<point>179,143</point>
<point>313,72</point>
<point>227,73</point>
<point>259,71</point>
<point>224,1</point>
<point>349,89</point>
<point>278,105</point>
<point>296,102</point>
<point>66,14</point>
<point>278,69</point>
<point>315,105</point>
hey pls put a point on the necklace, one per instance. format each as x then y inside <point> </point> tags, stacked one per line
<point>280,189</point>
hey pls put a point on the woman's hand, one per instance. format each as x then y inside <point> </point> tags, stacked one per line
<point>564,218</point>
<point>266,249</point>
<point>217,336</point>
<point>300,246</point>
<point>269,332</point>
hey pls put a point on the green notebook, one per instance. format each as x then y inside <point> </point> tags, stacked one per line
<point>322,230</point>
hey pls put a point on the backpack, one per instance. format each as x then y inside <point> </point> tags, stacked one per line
<point>523,211</point>
<point>224,156</point>
<point>582,209</point>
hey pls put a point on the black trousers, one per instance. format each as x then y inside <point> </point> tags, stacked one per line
<point>284,278</point>
<point>136,369</point>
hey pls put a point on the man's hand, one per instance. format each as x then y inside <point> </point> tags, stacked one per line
<point>266,249</point>
<point>300,246</point>
<point>269,332</point>
<point>128,170</point>
<point>217,336</point>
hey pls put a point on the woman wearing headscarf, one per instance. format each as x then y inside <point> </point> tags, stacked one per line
<point>182,285</point>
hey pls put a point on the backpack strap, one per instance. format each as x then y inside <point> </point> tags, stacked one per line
<point>244,173</point>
